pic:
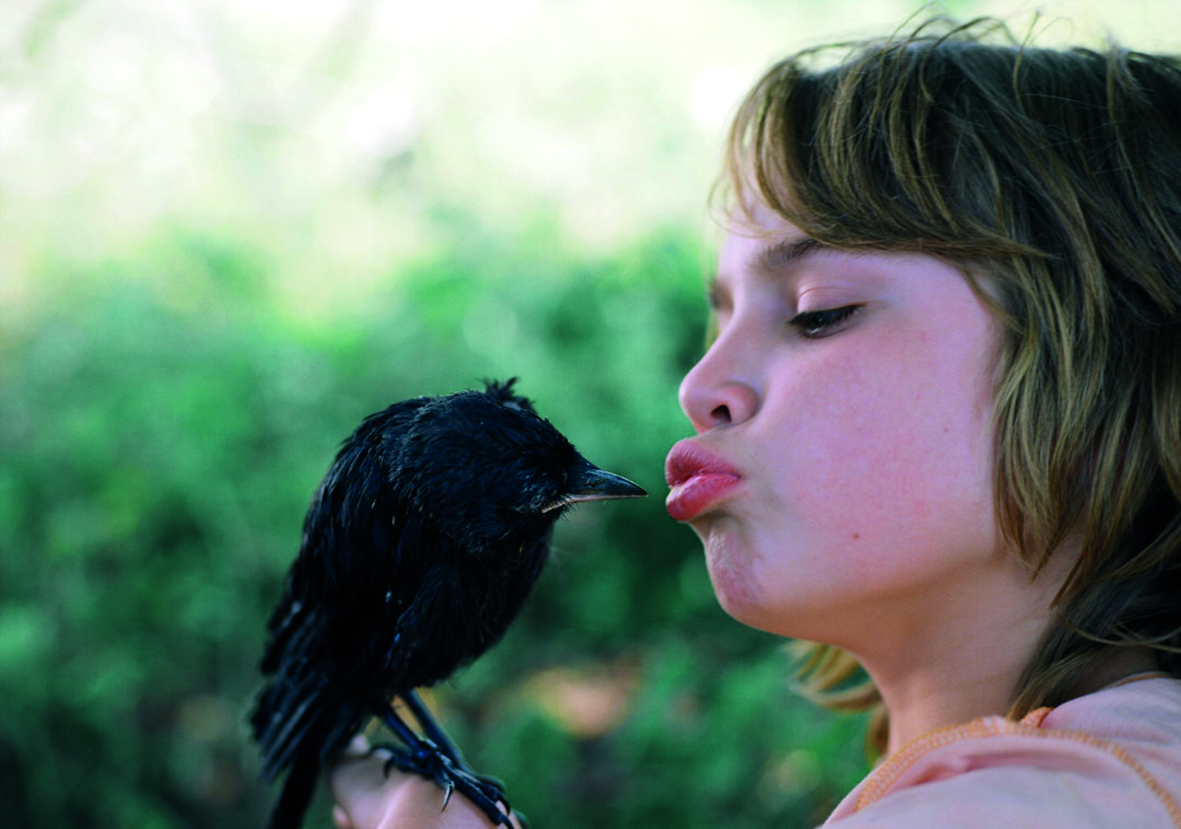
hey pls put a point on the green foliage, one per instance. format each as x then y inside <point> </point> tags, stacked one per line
<point>157,449</point>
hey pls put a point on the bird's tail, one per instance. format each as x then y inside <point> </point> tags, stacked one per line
<point>298,789</point>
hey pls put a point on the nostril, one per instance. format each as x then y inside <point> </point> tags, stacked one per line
<point>720,414</point>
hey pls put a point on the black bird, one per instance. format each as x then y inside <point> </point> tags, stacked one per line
<point>419,548</point>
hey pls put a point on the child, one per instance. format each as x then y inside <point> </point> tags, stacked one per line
<point>939,423</point>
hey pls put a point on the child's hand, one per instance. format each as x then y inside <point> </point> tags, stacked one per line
<point>368,798</point>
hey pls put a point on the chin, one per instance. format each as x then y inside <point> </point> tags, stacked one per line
<point>738,594</point>
<point>731,573</point>
<point>792,616</point>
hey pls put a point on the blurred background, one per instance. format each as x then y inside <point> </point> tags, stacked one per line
<point>228,230</point>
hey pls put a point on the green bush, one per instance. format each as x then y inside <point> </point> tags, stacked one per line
<point>158,444</point>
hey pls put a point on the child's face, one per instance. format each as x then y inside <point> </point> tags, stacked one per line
<point>858,440</point>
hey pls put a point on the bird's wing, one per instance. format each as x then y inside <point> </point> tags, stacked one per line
<point>332,658</point>
<point>321,630</point>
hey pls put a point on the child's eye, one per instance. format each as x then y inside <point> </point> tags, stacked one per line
<point>817,324</point>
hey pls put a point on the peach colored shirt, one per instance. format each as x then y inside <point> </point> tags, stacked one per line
<point>1107,760</point>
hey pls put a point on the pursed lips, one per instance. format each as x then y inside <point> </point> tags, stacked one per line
<point>697,479</point>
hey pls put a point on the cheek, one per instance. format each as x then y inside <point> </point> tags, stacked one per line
<point>897,455</point>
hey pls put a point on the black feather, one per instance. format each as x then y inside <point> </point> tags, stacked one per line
<point>419,548</point>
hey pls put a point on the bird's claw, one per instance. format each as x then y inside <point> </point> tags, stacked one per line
<point>426,760</point>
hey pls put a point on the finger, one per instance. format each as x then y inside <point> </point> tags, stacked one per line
<point>358,747</point>
<point>359,785</point>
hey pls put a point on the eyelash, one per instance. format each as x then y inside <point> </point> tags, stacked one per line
<point>816,324</point>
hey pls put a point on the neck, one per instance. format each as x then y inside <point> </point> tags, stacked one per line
<point>963,659</point>
<point>959,682</point>
<point>950,681</point>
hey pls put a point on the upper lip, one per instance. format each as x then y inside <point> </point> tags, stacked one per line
<point>688,460</point>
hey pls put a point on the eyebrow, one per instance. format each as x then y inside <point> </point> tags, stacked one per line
<point>787,252</point>
<point>770,259</point>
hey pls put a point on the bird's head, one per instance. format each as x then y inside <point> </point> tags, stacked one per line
<point>491,472</point>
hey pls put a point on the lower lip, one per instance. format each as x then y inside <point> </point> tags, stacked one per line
<point>691,498</point>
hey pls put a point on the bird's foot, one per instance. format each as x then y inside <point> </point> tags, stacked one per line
<point>426,760</point>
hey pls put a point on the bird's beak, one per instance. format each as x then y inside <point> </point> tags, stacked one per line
<point>589,483</point>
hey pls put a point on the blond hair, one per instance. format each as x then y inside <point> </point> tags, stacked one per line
<point>1058,174</point>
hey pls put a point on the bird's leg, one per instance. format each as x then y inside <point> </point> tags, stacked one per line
<point>434,732</point>
<point>426,759</point>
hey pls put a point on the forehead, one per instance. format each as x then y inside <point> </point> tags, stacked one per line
<point>757,233</point>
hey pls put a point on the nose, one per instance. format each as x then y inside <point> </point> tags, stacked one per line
<point>718,391</point>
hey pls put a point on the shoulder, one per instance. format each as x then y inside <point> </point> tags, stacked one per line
<point>1092,762</point>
